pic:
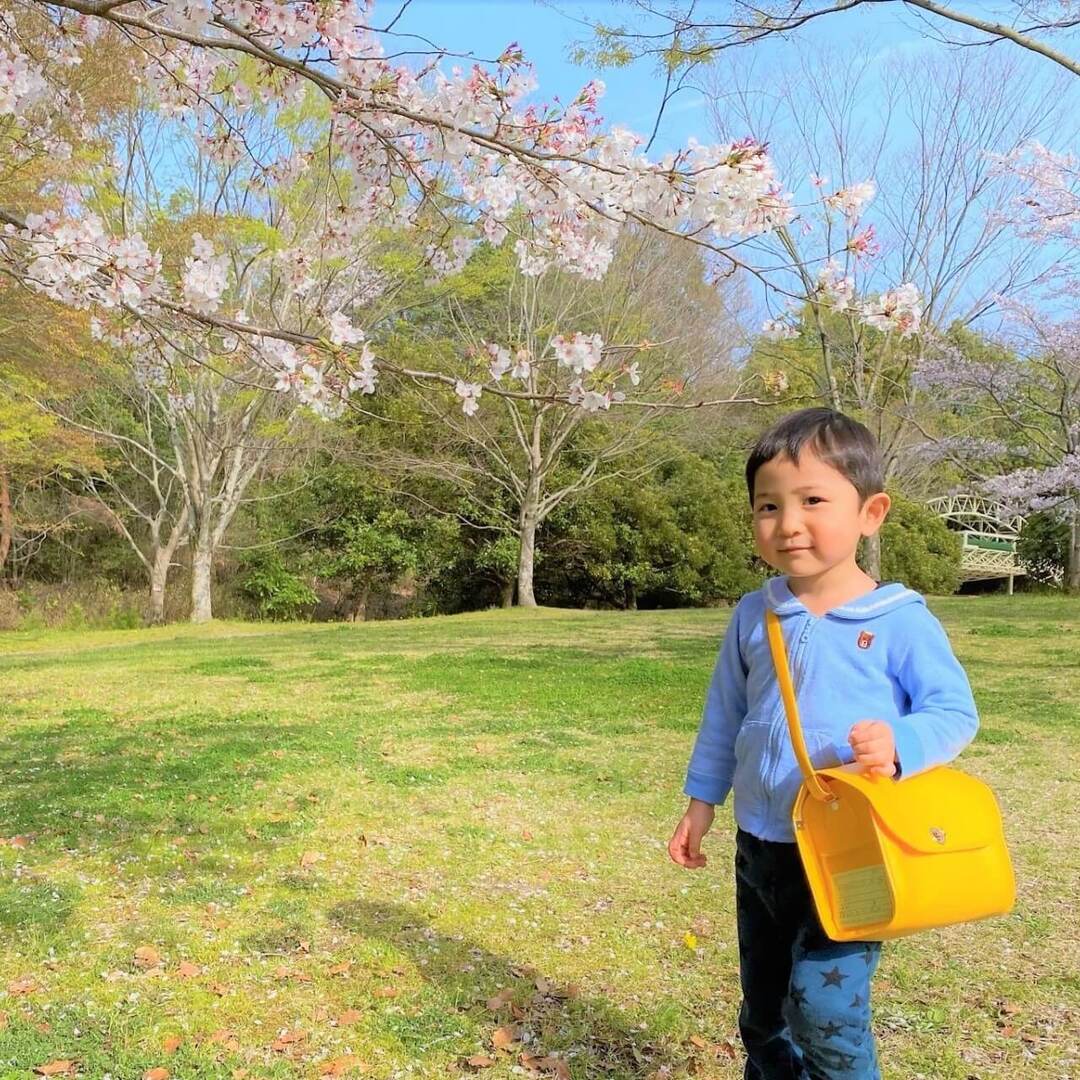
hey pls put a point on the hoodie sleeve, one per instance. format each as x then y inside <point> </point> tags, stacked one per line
<point>712,763</point>
<point>942,719</point>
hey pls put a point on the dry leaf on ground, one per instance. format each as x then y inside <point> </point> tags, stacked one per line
<point>287,1039</point>
<point>501,999</point>
<point>341,1066</point>
<point>504,1037</point>
<point>146,956</point>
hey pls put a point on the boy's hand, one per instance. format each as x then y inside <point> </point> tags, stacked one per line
<point>875,747</point>
<point>685,844</point>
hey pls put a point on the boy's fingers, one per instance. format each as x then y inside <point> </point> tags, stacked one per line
<point>683,851</point>
<point>679,848</point>
<point>675,848</point>
<point>864,750</point>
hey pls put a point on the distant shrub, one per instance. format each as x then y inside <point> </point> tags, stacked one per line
<point>919,549</point>
<point>275,591</point>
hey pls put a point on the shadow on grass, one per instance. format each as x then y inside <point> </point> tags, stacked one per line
<point>594,1037</point>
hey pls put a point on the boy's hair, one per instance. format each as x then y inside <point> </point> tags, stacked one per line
<point>839,441</point>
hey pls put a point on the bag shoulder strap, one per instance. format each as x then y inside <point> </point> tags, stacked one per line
<point>791,708</point>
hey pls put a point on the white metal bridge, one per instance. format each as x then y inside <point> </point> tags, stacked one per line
<point>990,534</point>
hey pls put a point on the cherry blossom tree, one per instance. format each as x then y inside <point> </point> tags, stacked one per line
<point>454,155</point>
<point>1021,420</point>
<point>656,319</point>
<point>944,219</point>
<point>306,136</point>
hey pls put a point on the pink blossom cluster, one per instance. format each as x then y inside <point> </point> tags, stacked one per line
<point>947,368</point>
<point>582,354</point>
<point>21,82</point>
<point>896,310</point>
<point>1055,488</point>
<point>850,201</point>
<point>205,277</point>
<point>835,288</point>
<point>305,375</point>
<point>1051,202</point>
<point>518,365</point>
<point>77,263</point>
<point>464,140</point>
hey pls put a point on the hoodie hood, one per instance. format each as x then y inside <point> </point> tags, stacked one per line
<point>884,599</point>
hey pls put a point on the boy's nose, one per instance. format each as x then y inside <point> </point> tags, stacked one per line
<point>789,524</point>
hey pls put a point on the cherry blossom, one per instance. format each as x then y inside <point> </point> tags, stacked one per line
<point>205,276</point>
<point>582,352</point>
<point>342,331</point>
<point>898,310</point>
<point>850,201</point>
<point>21,83</point>
<point>501,362</point>
<point>467,139</point>
<point>835,288</point>
<point>779,330</point>
<point>469,392</point>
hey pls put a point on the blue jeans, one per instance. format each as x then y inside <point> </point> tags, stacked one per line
<point>806,999</point>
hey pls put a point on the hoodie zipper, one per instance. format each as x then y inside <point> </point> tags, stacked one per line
<point>779,731</point>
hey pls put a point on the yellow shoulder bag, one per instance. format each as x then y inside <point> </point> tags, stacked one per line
<point>885,858</point>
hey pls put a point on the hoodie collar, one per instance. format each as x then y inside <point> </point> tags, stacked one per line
<point>883,599</point>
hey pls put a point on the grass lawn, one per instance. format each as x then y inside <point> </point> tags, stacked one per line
<point>252,851</point>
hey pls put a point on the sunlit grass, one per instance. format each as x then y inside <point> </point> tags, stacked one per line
<point>334,845</point>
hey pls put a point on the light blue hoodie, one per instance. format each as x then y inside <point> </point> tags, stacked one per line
<point>880,657</point>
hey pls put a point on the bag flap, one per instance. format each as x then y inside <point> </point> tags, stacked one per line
<point>938,811</point>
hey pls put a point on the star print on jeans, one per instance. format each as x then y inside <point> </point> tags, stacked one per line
<point>833,978</point>
<point>798,996</point>
<point>847,1061</point>
<point>868,955</point>
<point>831,1030</point>
<point>856,1002</point>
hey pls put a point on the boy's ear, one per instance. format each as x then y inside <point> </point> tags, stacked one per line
<point>874,511</point>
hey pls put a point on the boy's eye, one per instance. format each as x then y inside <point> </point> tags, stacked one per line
<point>766,508</point>
<point>813,500</point>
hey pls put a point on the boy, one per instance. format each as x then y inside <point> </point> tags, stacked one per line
<point>877,684</point>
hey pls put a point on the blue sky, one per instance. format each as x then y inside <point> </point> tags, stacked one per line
<point>546,31</point>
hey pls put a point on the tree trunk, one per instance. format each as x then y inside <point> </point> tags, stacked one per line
<point>1072,569</point>
<point>872,556</point>
<point>526,561</point>
<point>202,561</point>
<point>159,573</point>
<point>7,522</point>
<point>629,596</point>
<point>356,610</point>
<point>506,593</point>
<point>159,576</point>
<point>527,557</point>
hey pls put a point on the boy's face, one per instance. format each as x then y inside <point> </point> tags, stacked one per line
<point>808,517</point>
